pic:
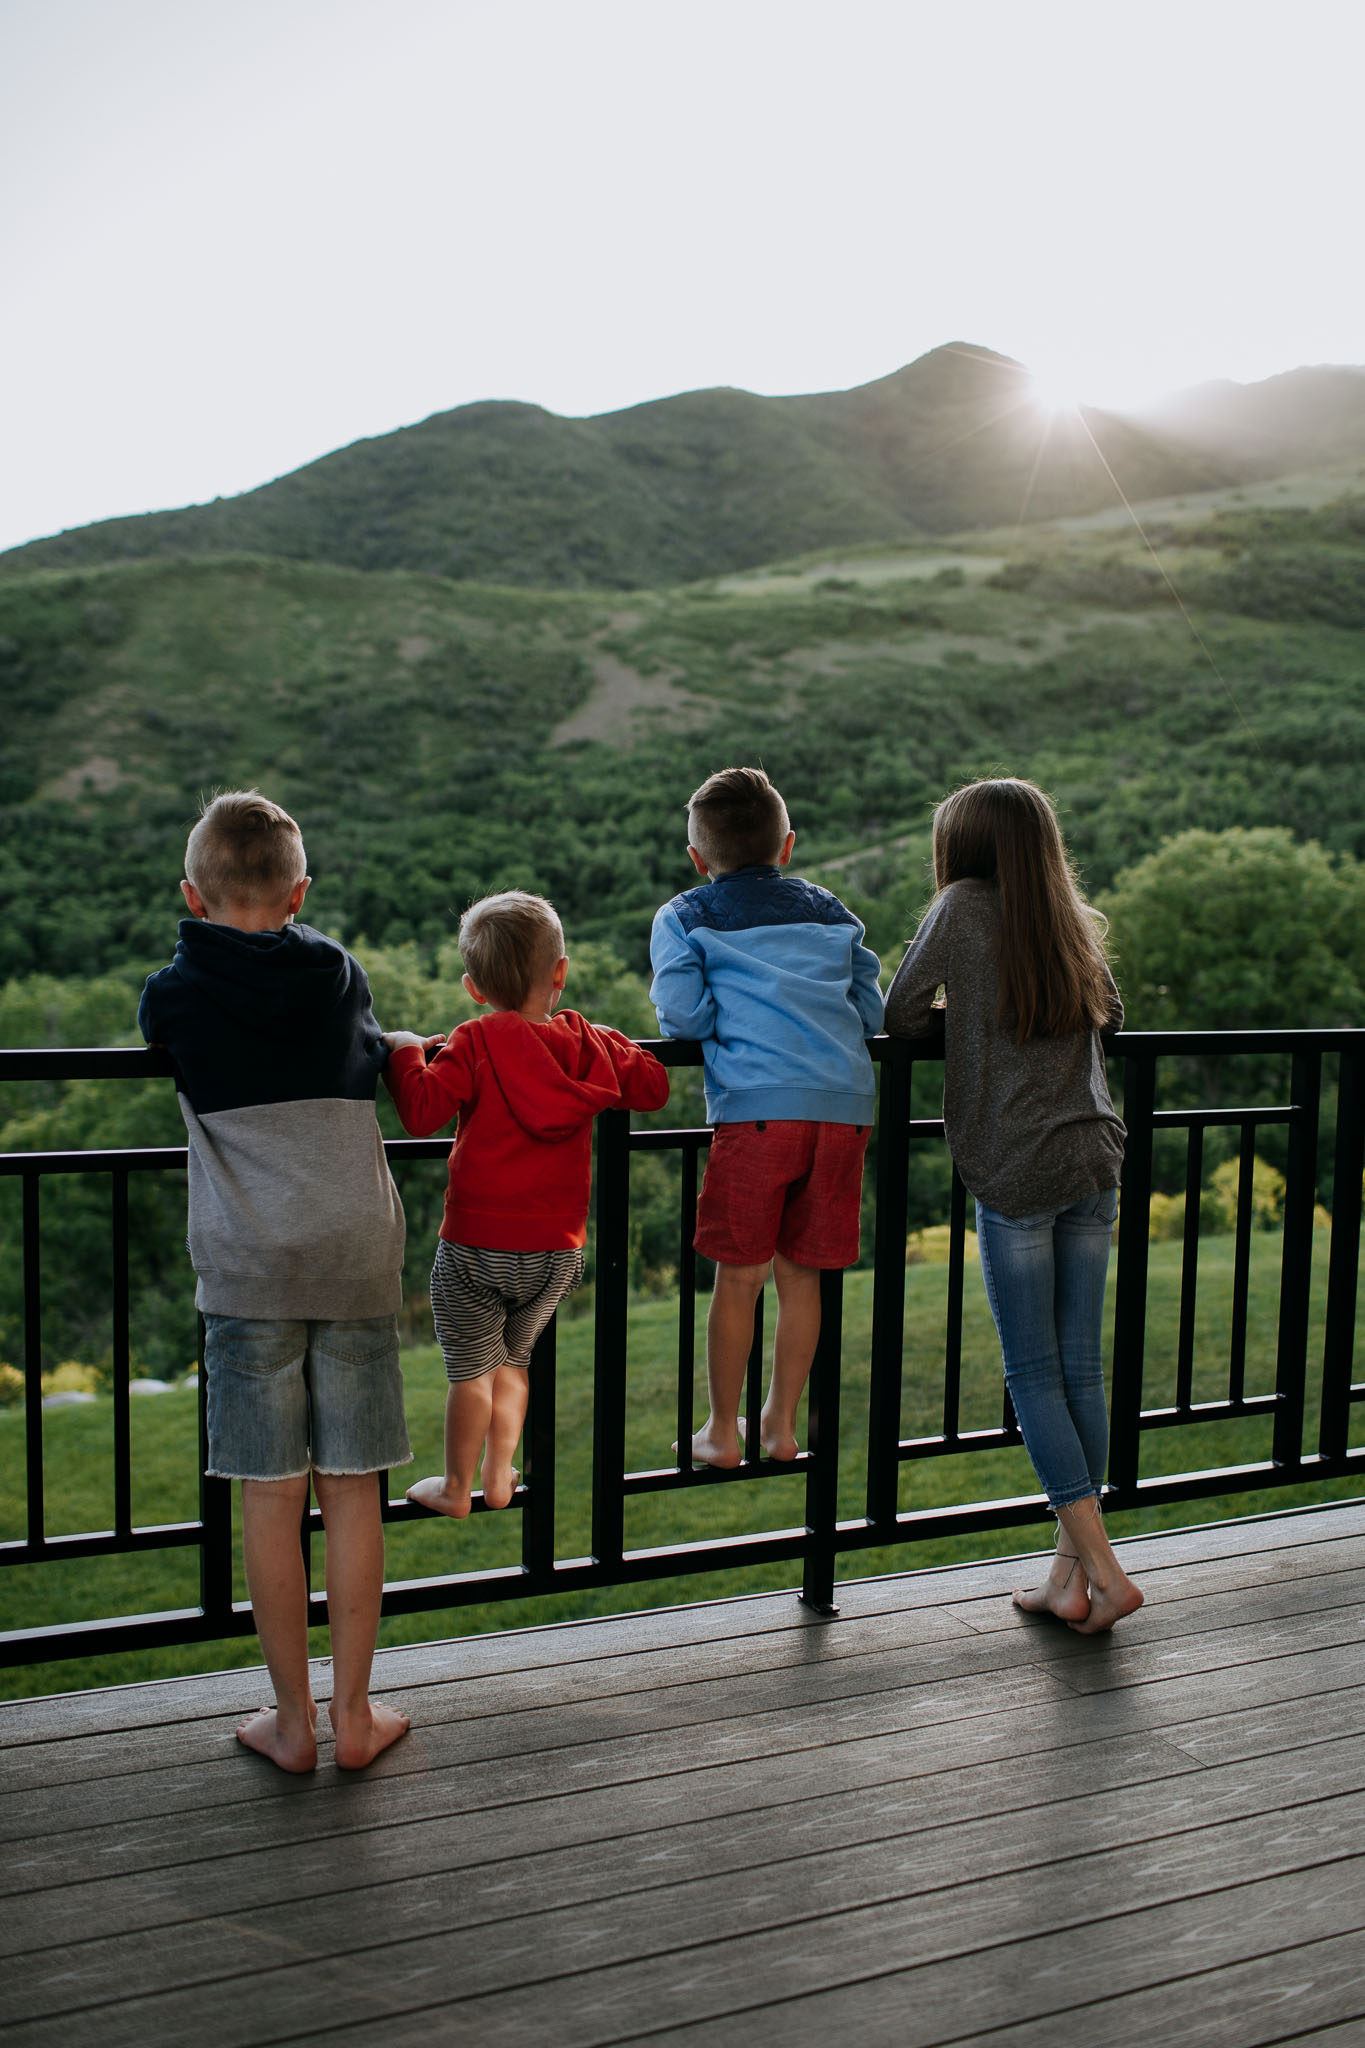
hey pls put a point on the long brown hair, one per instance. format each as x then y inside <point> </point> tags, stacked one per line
<point>1052,973</point>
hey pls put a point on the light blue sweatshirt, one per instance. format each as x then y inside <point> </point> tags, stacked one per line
<point>772,975</point>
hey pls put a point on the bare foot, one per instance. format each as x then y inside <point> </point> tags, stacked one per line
<point>1063,1592</point>
<point>1109,1604</point>
<point>444,1496</point>
<point>362,1736</point>
<point>499,1484</point>
<point>715,1447</point>
<point>296,1752</point>
<point>780,1444</point>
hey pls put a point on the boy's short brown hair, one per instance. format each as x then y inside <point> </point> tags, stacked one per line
<point>244,849</point>
<point>736,820</point>
<point>508,943</point>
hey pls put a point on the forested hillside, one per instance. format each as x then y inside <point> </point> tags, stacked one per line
<point>439,739</point>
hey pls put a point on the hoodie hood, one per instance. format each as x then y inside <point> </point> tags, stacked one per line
<point>288,982</point>
<point>553,1077</point>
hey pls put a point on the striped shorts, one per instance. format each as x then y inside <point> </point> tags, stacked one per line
<point>490,1306</point>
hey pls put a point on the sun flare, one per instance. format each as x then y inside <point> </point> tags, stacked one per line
<point>1052,391</point>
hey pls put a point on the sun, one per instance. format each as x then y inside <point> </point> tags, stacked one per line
<point>1053,391</point>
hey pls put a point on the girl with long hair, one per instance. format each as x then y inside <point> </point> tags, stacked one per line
<point>1016,951</point>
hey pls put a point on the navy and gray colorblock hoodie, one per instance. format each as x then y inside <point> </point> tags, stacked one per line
<point>292,1211</point>
<point>771,974</point>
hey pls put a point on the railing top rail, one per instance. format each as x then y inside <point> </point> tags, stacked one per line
<point>109,1062</point>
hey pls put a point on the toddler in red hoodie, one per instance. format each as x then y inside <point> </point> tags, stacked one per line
<point>526,1085</point>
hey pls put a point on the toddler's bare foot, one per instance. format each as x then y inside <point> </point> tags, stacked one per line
<point>1063,1592</point>
<point>1109,1604</point>
<point>446,1496</point>
<point>361,1737</point>
<point>296,1750</point>
<point>499,1484</point>
<point>711,1446</point>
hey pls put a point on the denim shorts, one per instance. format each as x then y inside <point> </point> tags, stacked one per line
<point>286,1397</point>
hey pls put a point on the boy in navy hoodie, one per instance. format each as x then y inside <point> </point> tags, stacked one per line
<point>772,975</point>
<point>296,1235</point>
<point>526,1085</point>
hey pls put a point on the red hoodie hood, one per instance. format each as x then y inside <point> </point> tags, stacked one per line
<point>554,1076</point>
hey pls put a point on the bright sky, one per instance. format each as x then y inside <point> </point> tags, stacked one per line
<point>236,237</point>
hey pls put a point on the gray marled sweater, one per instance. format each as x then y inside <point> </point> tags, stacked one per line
<point>1030,1127</point>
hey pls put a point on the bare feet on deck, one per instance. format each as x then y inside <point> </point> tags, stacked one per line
<point>499,1484</point>
<point>716,1447</point>
<point>1063,1592</point>
<point>1109,1604</point>
<point>361,1737</point>
<point>295,1751</point>
<point>444,1498</point>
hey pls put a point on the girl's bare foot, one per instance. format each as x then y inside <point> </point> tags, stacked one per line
<point>361,1737</point>
<point>446,1496</point>
<point>777,1442</point>
<point>499,1484</point>
<point>295,1750</point>
<point>1063,1592</point>
<point>721,1448</point>
<point>1109,1604</point>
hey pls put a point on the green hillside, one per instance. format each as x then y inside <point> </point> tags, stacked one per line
<point>674,490</point>
<point>438,738</point>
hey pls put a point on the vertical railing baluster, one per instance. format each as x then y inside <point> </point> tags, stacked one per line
<point>1296,1260</point>
<point>215,1516</point>
<point>33,1364</point>
<point>822,1438</point>
<point>1343,1264</point>
<point>609,1345</point>
<point>753,1385</point>
<point>952,1338</point>
<point>538,1456</point>
<point>1130,1283</point>
<point>687,1303</point>
<point>1241,1265</point>
<point>1189,1270</point>
<point>123,1444</point>
<point>888,1284</point>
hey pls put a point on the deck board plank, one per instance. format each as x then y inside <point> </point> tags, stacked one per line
<point>907,1822</point>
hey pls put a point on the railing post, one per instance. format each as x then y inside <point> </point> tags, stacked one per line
<point>888,1284</point>
<point>1130,1285</point>
<point>1296,1260</point>
<point>1339,1335</point>
<point>822,1442</point>
<point>120,1350</point>
<point>611,1281</point>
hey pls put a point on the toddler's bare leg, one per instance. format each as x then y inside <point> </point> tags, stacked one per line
<point>511,1388</point>
<point>794,1342</point>
<point>271,1512</point>
<point>469,1409</point>
<point>355,1582</point>
<point>729,1337</point>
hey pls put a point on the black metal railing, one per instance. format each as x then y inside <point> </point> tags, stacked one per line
<point>1322,1065</point>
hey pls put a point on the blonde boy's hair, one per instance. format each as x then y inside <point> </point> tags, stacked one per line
<point>736,820</point>
<point>245,850</point>
<point>508,943</point>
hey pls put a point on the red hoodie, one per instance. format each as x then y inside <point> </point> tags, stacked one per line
<point>526,1095</point>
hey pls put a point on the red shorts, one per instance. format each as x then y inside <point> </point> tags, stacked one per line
<point>790,1186</point>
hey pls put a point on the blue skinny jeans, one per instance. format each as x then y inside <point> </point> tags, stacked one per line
<point>1045,1278</point>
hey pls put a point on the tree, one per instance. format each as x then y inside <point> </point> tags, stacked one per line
<point>1239,930</point>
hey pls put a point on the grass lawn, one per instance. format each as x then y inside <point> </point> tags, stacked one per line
<point>79,1474</point>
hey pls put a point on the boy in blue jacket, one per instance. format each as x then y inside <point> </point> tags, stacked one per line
<point>772,975</point>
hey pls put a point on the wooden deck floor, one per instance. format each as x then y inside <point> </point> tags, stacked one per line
<point>929,1821</point>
